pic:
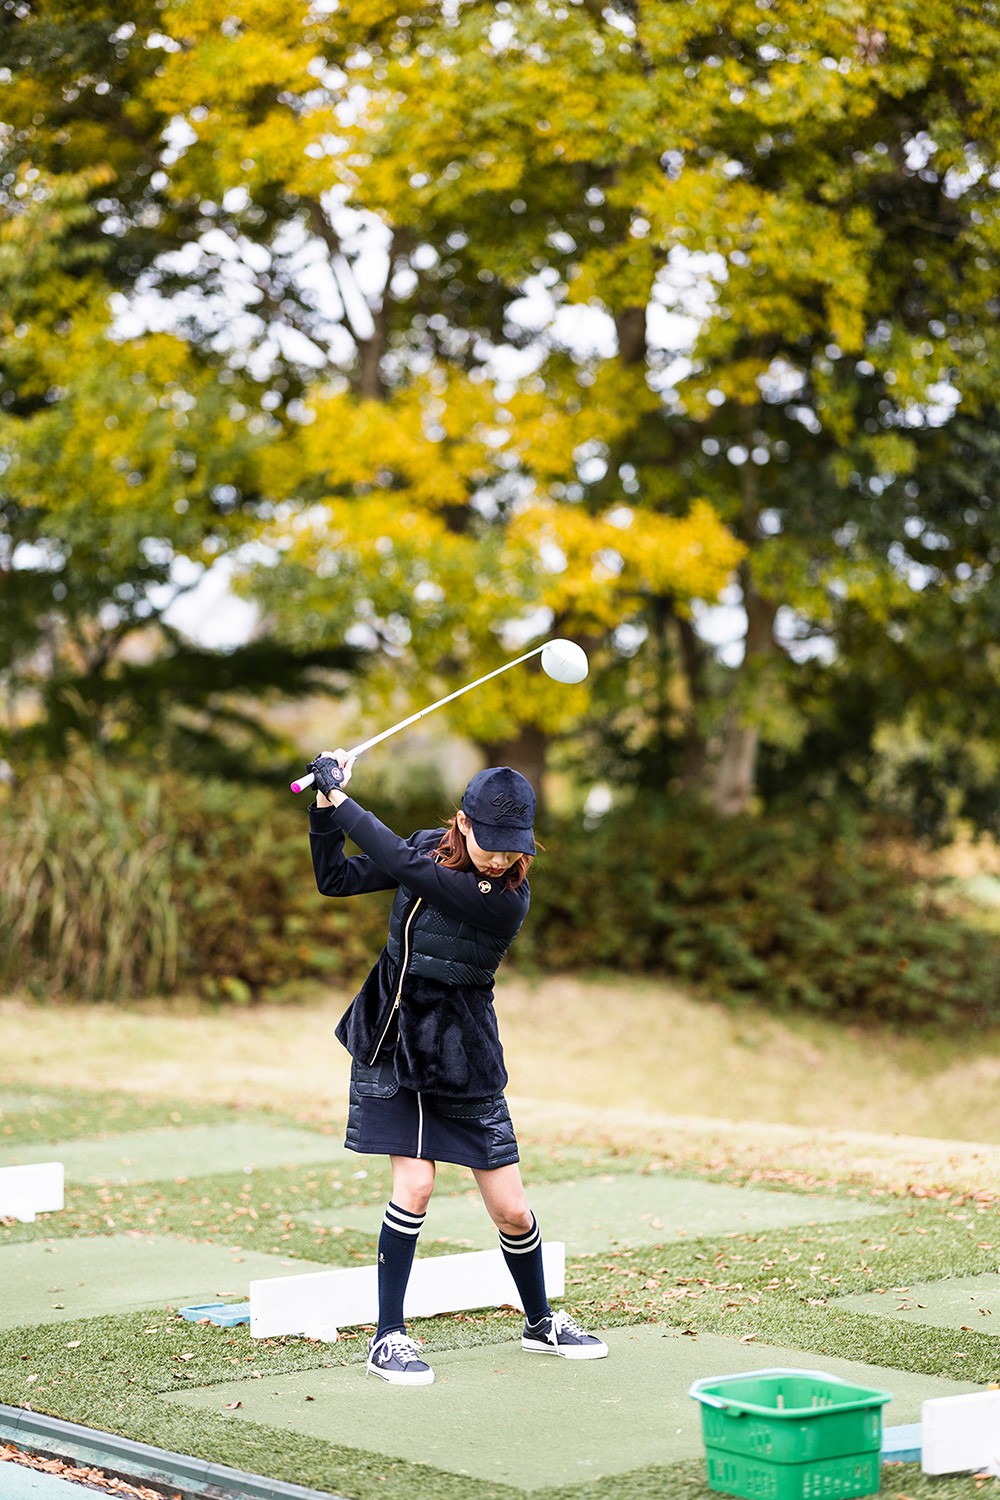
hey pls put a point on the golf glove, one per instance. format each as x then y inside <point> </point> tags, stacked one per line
<point>328,773</point>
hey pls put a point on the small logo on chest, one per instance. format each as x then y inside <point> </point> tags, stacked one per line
<point>486,886</point>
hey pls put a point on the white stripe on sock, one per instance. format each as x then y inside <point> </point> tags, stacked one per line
<point>402,1222</point>
<point>523,1244</point>
<point>405,1213</point>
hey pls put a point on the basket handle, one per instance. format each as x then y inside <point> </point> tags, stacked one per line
<point>697,1391</point>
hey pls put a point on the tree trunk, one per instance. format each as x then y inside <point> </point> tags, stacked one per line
<point>694,654</point>
<point>367,380</point>
<point>630,324</point>
<point>736,769</point>
<point>736,763</point>
<point>370,383</point>
<point>526,752</point>
<point>736,766</point>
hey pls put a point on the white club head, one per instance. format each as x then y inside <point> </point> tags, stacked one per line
<point>564,661</point>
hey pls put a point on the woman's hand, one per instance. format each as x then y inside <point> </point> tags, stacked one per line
<point>335,798</point>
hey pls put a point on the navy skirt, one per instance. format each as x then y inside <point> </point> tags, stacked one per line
<point>385,1119</point>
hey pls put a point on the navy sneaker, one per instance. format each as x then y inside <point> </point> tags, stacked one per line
<point>394,1356</point>
<point>559,1334</point>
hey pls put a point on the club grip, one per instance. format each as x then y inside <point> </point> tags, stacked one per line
<point>334,771</point>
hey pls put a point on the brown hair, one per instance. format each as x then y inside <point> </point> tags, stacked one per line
<point>452,853</point>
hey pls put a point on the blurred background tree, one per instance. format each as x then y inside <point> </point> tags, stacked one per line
<point>463,326</point>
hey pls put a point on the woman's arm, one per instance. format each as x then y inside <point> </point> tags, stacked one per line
<point>471,897</point>
<point>336,874</point>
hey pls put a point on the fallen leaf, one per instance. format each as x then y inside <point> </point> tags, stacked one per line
<point>233,1405</point>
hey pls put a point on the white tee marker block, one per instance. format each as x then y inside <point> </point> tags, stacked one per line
<point>961,1433</point>
<point>27,1191</point>
<point>319,1303</point>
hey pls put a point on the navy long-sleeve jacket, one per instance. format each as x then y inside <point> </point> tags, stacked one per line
<point>429,998</point>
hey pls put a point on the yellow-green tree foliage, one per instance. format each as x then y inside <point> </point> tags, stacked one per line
<point>431,506</point>
<point>811,186</point>
<point>116,455</point>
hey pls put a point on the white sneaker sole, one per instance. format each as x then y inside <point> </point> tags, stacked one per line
<point>399,1377</point>
<point>573,1351</point>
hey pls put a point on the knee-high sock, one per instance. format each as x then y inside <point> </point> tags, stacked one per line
<point>523,1254</point>
<point>397,1242</point>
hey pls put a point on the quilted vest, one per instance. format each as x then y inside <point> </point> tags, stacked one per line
<point>442,947</point>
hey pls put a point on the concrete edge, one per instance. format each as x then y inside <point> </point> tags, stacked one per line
<point>51,1437</point>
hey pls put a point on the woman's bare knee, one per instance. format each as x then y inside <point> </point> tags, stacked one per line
<point>412,1183</point>
<point>512,1218</point>
<point>503,1195</point>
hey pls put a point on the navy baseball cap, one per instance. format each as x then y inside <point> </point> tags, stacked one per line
<point>500,804</point>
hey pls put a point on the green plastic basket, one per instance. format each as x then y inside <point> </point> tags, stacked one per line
<point>791,1435</point>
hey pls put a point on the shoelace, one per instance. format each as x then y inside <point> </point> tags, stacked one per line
<point>398,1344</point>
<point>563,1323</point>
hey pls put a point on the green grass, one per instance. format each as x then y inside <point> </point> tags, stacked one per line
<point>90,1116</point>
<point>779,1287</point>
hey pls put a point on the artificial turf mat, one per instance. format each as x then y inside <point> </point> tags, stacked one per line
<point>10,1100</point>
<point>62,1280</point>
<point>184,1151</point>
<point>593,1214</point>
<point>968,1303</point>
<point>498,1414</point>
<point>758,1290</point>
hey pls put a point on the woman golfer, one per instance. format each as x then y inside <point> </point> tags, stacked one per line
<point>427,1076</point>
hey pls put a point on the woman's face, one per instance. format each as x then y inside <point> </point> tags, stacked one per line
<point>487,861</point>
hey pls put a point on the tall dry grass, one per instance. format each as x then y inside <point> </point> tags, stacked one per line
<point>86,902</point>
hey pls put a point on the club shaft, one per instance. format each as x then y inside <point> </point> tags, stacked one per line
<point>306,781</point>
<point>403,723</point>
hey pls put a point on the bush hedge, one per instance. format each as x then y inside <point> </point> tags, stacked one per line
<point>112,890</point>
<point>799,910</point>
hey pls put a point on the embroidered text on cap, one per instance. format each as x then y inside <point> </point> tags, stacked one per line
<point>508,808</point>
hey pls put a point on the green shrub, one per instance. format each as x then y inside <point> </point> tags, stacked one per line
<point>110,888</point>
<point>86,897</point>
<point>801,910</point>
<point>113,889</point>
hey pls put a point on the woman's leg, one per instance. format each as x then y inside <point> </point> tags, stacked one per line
<point>391,1353</point>
<point>545,1332</point>
<point>520,1236</point>
<point>412,1185</point>
<point>412,1182</point>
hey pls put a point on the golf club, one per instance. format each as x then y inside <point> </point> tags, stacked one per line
<point>562,660</point>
